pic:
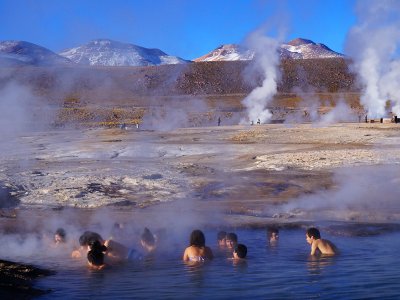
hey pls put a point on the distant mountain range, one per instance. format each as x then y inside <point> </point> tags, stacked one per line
<point>23,53</point>
<point>295,49</point>
<point>111,53</point>
<point>104,52</point>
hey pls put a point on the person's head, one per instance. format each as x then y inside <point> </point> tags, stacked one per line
<point>273,234</point>
<point>88,237</point>
<point>312,234</point>
<point>60,236</point>
<point>147,238</point>
<point>240,251</point>
<point>231,240</point>
<point>221,238</point>
<point>95,256</point>
<point>197,238</point>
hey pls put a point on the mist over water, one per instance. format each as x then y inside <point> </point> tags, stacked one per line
<point>365,194</point>
<point>373,44</point>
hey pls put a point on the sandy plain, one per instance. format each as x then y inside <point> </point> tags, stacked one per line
<point>230,175</point>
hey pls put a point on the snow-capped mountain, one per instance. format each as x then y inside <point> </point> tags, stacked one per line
<point>295,49</point>
<point>104,52</point>
<point>305,49</point>
<point>25,53</point>
<point>227,52</point>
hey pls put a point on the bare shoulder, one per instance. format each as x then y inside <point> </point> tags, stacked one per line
<point>327,247</point>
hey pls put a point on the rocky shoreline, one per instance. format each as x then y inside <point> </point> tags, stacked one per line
<point>17,280</point>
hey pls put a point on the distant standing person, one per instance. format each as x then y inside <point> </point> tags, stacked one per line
<point>318,245</point>
<point>219,121</point>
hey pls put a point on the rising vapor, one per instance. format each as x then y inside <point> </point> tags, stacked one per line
<point>267,59</point>
<point>373,44</point>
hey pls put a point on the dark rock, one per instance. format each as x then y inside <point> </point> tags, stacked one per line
<point>16,280</point>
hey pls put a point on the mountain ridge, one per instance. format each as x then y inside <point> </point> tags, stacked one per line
<point>106,52</point>
<point>298,48</point>
<point>14,52</point>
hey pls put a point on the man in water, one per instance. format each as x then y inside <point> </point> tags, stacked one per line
<point>95,255</point>
<point>231,240</point>
<point>221,239</point>
<point>318,245</point>
<point>87,238</point>
<point>240,252</point>
<point>272,235</point>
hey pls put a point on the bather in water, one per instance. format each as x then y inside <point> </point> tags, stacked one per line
<point>95,255</point>
<point>197,251</point>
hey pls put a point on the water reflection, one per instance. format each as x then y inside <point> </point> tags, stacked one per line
<point>316,264</point>
<point>196,272</point>
<point>271,271</point>
<point>240,265</point>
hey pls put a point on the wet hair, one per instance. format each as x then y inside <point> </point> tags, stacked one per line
<point>95,255</point>
<point>221,235</point>
<point>232,236</point>
<point>88,237</point>
<point>148,237</point>
<point>313,232</point>
<point>241,250</point>
<point>197,238</point>
<point>271,230</point>
<point>61,232</point>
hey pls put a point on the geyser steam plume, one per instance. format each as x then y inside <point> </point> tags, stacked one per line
<point>266,59</point>
<point>373,44</point>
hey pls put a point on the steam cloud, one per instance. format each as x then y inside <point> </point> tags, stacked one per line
<point>267,59</point>
<point>361,194</point>
<point>16,105</point>
<point>373,43</point>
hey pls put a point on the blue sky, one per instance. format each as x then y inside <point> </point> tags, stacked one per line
<point>185,28</point>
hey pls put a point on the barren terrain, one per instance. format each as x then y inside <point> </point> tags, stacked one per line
<point>172,156</point>
<point>236,171</point>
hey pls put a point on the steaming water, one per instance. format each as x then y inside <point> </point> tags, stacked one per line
<point>366,268</point>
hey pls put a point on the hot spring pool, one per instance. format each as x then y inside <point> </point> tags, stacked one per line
<point>367,267</point>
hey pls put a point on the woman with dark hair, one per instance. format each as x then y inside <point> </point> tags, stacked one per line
<point>60,236</point>
<point>148,241</point>
<point>95,256</point>
<point>87,238</point>
<point>197,251</point>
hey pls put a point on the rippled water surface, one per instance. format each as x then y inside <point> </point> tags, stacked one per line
<point>367,267</point>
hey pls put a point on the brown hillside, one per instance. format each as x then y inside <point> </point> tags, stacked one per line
<point>110,95</point>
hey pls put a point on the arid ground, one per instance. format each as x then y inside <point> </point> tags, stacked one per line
<point>172,156</point>
<point>237,174</point>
